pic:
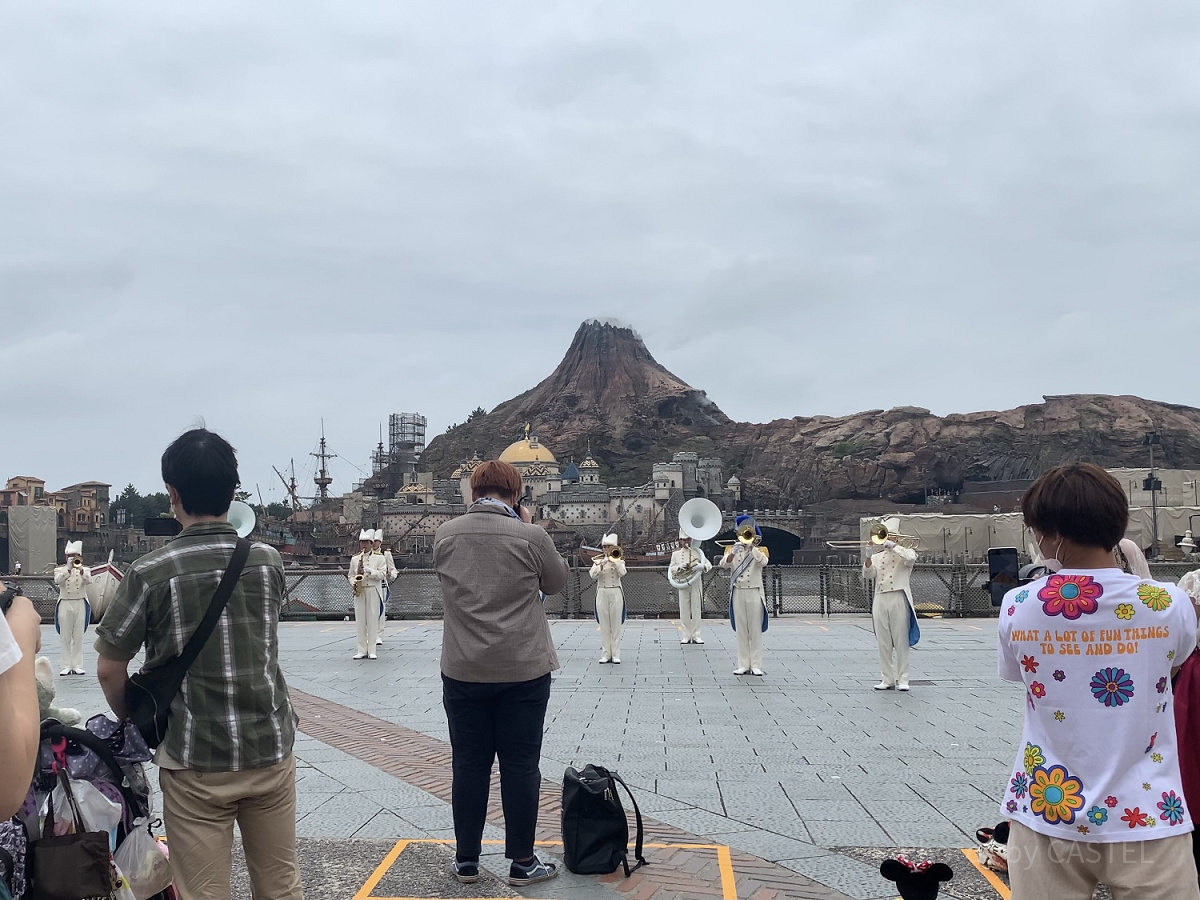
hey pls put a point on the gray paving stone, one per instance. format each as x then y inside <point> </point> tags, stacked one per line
<point>847,875</point>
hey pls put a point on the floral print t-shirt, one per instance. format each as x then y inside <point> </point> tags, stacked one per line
<point>1094,649</point>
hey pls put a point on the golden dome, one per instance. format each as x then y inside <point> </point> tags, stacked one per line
<point>527,451</point>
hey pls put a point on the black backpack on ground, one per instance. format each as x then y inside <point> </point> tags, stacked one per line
<point>594,827</point>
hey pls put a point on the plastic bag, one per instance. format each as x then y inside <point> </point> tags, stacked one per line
<point>99,813</point>
<point>122,891</point>
<point>142,861</point>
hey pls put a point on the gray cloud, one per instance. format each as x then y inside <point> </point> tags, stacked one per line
<point>270,214</point>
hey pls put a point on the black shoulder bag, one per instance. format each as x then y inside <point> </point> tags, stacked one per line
<point>149,693</point>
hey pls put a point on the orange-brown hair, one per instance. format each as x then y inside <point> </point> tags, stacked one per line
<point>495,477</point>
<point>1080,502</point>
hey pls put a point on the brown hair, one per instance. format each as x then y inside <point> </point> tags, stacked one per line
<point>1080,502</point>
<point>495,477</point>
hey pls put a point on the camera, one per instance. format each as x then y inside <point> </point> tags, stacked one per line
<point>10,593</point>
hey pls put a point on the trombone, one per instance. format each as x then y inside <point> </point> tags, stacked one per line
<point>879,534</point>
<point>613,553</point>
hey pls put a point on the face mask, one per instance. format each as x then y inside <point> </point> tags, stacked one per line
<point>1052,564</point>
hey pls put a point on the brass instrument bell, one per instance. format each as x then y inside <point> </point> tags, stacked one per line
<point>77,563</point>
<point>615,553</point>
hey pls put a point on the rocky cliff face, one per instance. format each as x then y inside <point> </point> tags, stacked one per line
<point>609,389</point>
<point>899,452</point>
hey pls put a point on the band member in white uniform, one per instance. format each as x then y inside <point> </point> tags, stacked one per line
<point>688,563</point>
<point>73,612</point>
<point>610,599</point>
<point>366,580</point>
<point>389,575</point>
<point>892,613</point>
<point>747,599</point>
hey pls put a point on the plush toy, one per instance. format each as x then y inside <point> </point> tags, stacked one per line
<point>44,675</point>
<point>915,881</point>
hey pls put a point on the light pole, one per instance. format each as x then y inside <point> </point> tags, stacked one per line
<point>1195,492</point>
<point>1152,485</point>
<point>966,542</point>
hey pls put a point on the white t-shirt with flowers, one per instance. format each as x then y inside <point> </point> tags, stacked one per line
<point>1094,649</point>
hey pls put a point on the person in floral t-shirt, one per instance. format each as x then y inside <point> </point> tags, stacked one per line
<point>1095,793</point>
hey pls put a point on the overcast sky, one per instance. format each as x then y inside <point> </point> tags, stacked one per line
<point>271,214</point>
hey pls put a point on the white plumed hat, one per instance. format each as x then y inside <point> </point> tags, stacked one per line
<point>683,535</point>
<point>609,540</point>
<point>378,536</point>
<point>366,535</point>
<point>73,548</point>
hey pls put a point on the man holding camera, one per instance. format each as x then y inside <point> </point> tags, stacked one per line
<point>227,754</point>
<point>72,615</point>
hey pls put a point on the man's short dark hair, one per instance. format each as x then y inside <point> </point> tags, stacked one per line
<point>202,467</point>
<point>1080,502</point>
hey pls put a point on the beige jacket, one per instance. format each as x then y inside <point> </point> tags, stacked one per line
<point>492,567</point>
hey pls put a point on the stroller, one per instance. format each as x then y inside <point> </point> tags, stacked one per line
<point>97,768</point>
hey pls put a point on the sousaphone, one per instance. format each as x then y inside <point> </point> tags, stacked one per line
<point>699,519</point>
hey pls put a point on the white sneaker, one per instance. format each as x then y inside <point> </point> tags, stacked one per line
<point>360,656</point>
<point>740,671</point>
<point>78,672</point>
<point>66,671</point>
<point>684,641</point>
<point>697,640</point>
<point>605,659</point>
<point>372,656</point>
<point>378,641</point>
<point>758,672</point>
<point>884,686</point>
<point>903,686</point>
<point>616,660</point>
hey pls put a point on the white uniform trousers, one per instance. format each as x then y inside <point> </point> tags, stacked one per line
<point>609,604</point>
<point>890,617</point>
<point>366,618</point>
<point>747,618</point>
<point>70,630</point>
<point>382,617</point>
<point>691,609</point>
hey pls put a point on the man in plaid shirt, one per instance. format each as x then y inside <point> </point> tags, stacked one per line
<point>227,755</point>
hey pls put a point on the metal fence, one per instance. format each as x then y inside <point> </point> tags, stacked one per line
<point>952,590</point>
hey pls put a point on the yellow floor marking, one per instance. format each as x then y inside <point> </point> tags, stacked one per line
<point>975,628</point>
<point>724,863</point>
<point>365,891</point>
<point>728,884</point>
<point>993,879</point>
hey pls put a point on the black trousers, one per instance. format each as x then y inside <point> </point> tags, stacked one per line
<point>486,721</point>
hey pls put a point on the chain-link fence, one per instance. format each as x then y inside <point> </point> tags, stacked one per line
<point>953,590</point>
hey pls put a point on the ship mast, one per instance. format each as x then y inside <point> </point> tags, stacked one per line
<point>322,479</point>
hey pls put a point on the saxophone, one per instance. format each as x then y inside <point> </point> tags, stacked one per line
<point>358,579</point>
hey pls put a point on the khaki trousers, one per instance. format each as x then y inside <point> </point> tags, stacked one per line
<point>610,603</point>
<point>199,809</point>
<point>747,620</point>
<point>691,609</point>
<point>366,620</point>
<point>1045,868</point>
<point>889,615</point>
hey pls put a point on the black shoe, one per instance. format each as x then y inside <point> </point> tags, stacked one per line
<point>466,871</point>
<point>531,872</point>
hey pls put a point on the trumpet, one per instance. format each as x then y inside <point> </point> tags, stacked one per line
<point>77,563</point>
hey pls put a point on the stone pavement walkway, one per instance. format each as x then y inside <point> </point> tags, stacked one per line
<point>806,776</point>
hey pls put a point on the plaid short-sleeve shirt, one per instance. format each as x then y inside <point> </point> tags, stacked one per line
<point>233,711</point>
